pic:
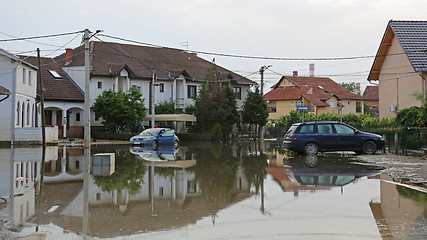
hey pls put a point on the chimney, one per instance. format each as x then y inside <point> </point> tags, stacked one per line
<point>311,69</point>
<point>295,73</point>
<point>68,56</point>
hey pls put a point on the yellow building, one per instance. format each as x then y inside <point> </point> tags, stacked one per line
<point>321,95</point>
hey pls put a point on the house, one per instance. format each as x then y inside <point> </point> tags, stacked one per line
<point>63,99</point>
<point>400,66</point>
<point>116,66</point>
<point>371,98</point>
<point>321,95</point>
<point>19,114</point>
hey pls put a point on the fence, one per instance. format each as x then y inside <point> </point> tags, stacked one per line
<point>404,141</point>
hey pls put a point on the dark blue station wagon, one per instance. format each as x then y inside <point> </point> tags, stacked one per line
<point>313,137</point>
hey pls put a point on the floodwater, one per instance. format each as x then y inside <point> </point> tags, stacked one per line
<point>202,192</point>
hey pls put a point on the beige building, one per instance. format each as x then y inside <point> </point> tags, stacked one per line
<point>321,95</point>
<point>400,66</point>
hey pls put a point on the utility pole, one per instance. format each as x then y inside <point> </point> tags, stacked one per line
<point>87,85</point>
<point>87,154</point>
<point>39,77</point>
<point>153,98</point>
<point>261,71</point>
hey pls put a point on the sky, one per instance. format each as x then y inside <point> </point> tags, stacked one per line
<point>304,29</point>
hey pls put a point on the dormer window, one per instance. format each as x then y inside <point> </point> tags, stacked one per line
<point>55,74</point>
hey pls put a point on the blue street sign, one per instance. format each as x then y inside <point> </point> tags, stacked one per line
<point>304,108</point>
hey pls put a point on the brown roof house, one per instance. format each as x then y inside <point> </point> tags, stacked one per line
<point>321,95</point>
<point>118,66</point>
<point>400,66</point>
<point>371,98</point>
<point>63,99</point>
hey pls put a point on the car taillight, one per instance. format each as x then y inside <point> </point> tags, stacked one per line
<point>292,138</point>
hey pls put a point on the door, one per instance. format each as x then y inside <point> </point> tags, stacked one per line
<point>327,138</point>
<point>348,139</point>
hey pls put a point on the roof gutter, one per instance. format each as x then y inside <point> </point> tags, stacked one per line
<point>424,86</point>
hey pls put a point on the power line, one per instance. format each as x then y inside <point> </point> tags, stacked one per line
<point>36,37</point>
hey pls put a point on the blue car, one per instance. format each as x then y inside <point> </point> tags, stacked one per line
<point>155,137</point>
<point>313,137</point>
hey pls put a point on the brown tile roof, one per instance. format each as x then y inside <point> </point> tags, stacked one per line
<point>63,89</point>
<point>371,93</point>
<point>4,91</point>
<point>141,60</point>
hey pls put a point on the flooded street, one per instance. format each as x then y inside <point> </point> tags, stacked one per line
<point>202,192</point>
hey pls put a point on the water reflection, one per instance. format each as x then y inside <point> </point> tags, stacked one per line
<point>230,187</point>
<point>323,171</point>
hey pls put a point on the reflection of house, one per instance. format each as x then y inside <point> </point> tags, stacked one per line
<point>398,217</point>
<point>19,172</point>
<point>400,66</point>
<point>117,67</point>
<point>64,100</point>
<point>322,95</point>
<point>371,98</point>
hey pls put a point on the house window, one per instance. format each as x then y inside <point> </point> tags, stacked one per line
<point>358,107</point>
<point>292,102</point>
<point>24,76</point>
<point>99,84</point>
<point>77,117</point>
<point>238,92</point>
<point>55,74</point>
<point>98,196</point>
<point>161,191</point>
<point>192,90</point>
<point>332,104</point>
<point>191,186</point>
<point>162,87</point>
<point>18,110</point>
<point>29,77</point>
<point>299,103</point>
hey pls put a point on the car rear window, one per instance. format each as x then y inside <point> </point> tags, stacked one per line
<point>307,129</point>
<point>291,130</point>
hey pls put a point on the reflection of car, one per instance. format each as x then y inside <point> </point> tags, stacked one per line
<point>325,171</point>
<point>161,154</point>
<point>156,137</point>
<point>314,137</point>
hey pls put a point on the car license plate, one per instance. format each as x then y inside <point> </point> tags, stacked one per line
<point>136,143</point>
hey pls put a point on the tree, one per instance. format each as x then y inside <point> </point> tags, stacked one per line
<point>255,109</point>
<point>165,107</point>
<point>120,111</point>
<point>216,103</point>
<point>352,87</point>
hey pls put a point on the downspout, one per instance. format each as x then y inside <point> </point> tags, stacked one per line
<point>424,86</point>
<point>12,140</point>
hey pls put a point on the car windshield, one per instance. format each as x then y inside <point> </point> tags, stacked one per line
<point>150,132</point>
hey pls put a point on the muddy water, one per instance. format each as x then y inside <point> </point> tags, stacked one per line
<point>202,192</point>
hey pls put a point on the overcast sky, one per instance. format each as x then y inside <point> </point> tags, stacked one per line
<point>267,28</point>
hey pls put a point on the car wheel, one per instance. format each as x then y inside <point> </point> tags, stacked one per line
<point>154,145</point>
<point>311,149</point>
<point>175,144</point>
<point>369,147</point>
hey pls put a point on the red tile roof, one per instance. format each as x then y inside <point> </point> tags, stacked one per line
<point>322,90</point>
<point>107,56</point>
<point>63,89</point>
<point>288,93</point>
<point>327,84</point>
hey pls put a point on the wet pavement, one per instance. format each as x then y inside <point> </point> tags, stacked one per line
<point>209,192</point>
